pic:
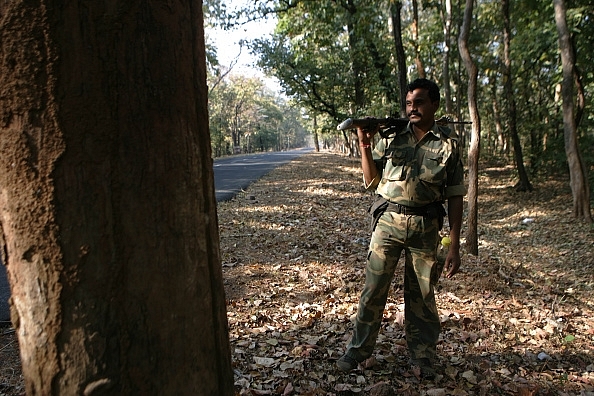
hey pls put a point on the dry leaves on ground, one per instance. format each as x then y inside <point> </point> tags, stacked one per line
<point>517,321</point>
<point>11,377</point>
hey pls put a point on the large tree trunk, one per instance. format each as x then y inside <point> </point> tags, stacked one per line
<point>475,139</point>
<point>577,171</point>
<point>107,203</point>
<point>523,182</point>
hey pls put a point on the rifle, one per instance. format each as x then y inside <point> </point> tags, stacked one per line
<point>389,122</point>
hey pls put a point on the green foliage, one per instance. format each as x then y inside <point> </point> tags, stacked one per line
<point>337,59</point>
<point>246,116</point>
<point>328,56</point>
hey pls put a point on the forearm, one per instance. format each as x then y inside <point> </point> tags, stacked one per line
<point>455,210</point>
<point>370,172</point>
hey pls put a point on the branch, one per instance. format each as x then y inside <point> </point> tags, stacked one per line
<point>233,63</point>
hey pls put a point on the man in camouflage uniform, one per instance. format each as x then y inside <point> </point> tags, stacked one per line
<point>413,172</point>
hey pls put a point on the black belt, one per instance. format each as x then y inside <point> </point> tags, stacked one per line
<point>407,210</point>
<point>381,205</point>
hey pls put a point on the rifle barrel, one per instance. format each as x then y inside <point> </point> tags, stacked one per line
<point>352,123</point>
<point>346,124</point>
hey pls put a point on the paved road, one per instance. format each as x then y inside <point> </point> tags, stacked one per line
<point>232,174</point>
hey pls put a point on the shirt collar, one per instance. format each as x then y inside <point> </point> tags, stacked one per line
<point>434,130</point>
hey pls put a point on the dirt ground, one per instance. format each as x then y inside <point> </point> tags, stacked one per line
<point>517,320</point>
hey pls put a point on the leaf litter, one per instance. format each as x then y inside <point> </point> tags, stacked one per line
<point>517,320</point>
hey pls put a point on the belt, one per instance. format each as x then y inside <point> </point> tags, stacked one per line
<point>407,210</point>
<point>381,205</point>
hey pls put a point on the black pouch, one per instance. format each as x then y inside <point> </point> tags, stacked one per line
<point>376,210</point>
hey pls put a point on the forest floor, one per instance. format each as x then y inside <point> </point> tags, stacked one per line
<point>517,320</point>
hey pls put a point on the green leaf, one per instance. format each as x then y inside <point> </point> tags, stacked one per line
<point>569,338</point>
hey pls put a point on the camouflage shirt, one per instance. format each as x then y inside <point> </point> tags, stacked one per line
<point>417,173</point>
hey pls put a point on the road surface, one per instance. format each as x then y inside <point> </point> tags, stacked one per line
<point>232,174</point>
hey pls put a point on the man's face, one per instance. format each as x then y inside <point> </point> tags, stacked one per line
<point>419,107</point>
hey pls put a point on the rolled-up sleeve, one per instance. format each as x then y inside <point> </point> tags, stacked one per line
<point>378,152</point>
<point>373,183</point>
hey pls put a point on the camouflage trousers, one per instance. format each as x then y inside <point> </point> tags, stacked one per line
<point>418,237</point>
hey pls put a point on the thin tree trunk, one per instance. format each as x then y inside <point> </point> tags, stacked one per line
<point>107,203</point>
<point>474,149</point>
<point>316,139</point>
<point>447,36</point>
<point>415,39</point>
<point>357,69</point>
<point>500,143</point>
<point>523,182</point>
<point>395,12</point>
<point>581,94</point>
<point>578,178</point>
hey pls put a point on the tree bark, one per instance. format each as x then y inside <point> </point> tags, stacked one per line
<point>523,182</point>
<point>500,144</point>
<point>475,138</point>
<point>395,14</point>
<point>447,38</point>
<point>315,133</point>
<point>578,178</point>
<point>357,70</point>
<point>415,39</point>
<point>107,204</point>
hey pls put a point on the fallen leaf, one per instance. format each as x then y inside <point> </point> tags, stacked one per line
<point>470,377</point>
<point>264,361</point>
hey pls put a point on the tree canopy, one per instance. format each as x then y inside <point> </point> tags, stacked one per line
<point>337,59</point>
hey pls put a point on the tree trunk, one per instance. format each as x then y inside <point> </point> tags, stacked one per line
<point>447,37</point>
<point>107,204</point>
<point>578,178</point>
<point>475,138</point>
<point>523,182</point>
<point>415,40</point>
<point>315,133</point>
<point>395,13</point>
<point>500,145</point>
<point>356,67</point>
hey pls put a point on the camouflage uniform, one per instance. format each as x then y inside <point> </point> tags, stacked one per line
<point>413,174</point>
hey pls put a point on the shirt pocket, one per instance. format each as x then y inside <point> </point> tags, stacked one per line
<point>433,168</point>
<point>396,166</point>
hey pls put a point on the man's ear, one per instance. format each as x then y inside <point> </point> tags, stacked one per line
<point>436,105</point>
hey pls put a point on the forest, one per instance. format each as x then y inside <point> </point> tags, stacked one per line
<point>349,58</point>
<point>127,277</point>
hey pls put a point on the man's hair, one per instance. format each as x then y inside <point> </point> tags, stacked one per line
<point>423,83</point>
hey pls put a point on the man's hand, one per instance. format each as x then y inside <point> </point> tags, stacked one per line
<point>366,134</point>
<point>452,262</point>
